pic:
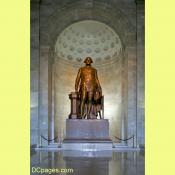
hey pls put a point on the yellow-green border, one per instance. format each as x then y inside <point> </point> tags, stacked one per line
<point>160,87</point>
<point>15,87</point>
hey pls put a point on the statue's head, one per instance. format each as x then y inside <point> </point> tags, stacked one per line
<point>88,61</point>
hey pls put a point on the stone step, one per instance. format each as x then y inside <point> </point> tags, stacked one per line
<point>54,145</point>
<point>87,146</point>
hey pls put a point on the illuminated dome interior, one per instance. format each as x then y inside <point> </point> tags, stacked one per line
<point>88,38</point>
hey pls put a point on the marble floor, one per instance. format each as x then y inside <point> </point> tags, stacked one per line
<point>87,163</point>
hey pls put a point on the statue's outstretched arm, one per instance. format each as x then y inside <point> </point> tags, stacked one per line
<point>77,82</point>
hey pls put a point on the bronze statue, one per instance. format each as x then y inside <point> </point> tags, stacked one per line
<point>88,87</point>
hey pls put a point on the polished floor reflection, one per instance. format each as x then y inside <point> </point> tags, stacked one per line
<point>87,163</point>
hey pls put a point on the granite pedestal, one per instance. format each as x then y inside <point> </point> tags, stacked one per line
<point>90,135</point>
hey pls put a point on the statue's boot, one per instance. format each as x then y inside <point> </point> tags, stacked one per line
<point>100,115</point>
<point>84,116</point>
<point>79,116</point>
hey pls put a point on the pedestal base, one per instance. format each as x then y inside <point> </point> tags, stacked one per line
<point>90,135</point>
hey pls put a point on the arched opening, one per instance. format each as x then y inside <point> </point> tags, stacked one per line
<point>99,41</point>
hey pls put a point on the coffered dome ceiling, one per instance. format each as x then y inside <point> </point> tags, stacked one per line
<point>88,38</point>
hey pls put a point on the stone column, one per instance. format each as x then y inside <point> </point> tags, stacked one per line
<point>34,73</point>
<point>43,93</point>
<point>132,98</point>
<point>124,111</point>
<point>51,104</point>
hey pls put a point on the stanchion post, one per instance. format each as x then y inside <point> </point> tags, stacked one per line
<point>40,143</point>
